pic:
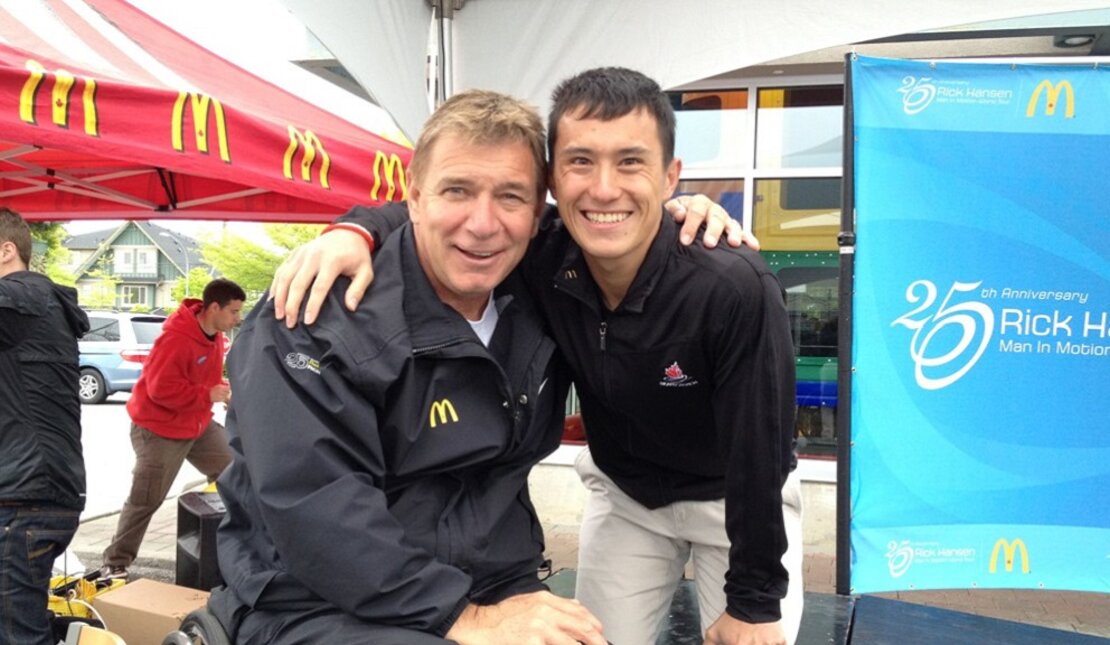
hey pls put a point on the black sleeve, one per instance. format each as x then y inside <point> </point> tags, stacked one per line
<point>755,406</point>
<point>380,221</point>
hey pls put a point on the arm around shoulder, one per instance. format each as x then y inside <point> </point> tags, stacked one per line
<point>344,250</point>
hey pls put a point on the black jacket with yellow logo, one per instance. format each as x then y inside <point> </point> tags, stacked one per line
<point>382,456</point>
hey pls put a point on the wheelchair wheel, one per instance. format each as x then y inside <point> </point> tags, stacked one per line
<point>199,628</point>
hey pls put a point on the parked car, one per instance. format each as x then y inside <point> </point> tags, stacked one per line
<point>113,351</point>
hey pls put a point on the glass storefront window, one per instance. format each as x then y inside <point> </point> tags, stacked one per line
<point>797,214</point>
<point>810,279</point>
<point>710,129</point>
<point>799,127</point>
<point>797,221</point>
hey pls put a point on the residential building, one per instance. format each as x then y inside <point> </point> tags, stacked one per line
<point>145,260</point>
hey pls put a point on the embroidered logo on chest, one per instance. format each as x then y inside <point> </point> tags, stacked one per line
<point>673,376</point>
<point>442,412</point>
<point>299,361</point>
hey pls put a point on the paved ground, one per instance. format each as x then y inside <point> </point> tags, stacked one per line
<point>558,496</point>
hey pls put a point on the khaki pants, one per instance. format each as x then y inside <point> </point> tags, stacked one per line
<point>157,462</point>
<point>631,558</point>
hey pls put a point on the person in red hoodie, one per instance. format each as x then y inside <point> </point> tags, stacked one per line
<point>171,412</point>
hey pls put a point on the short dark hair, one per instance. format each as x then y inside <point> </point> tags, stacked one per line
<point>222,291</point>
<point>14,229</point>
<point>609,93</point>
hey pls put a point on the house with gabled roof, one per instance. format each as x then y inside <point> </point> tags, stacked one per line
<point>146,259</point>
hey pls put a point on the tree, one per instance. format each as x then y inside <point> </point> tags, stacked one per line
<point>251,265</point>
<point>100,294</point>
<point>290,236</point>
<point>53,261</point>
<point>198,280</point>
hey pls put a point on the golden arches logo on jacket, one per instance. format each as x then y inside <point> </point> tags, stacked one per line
<point>1009,549</point>
<point>311,147</point>
<point>201,107</point>
<point>386,167</point>
<point>1052,98</point>
<point>441,411</point>
<point>64,83</point>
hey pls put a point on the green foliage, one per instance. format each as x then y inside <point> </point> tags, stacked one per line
<point>290,236</point>
<point>241,261</point>
<point>140,309</point>
<point>54,259</point>
<point>198,279</point>
<point>100,294</point>
<point>251,265</point>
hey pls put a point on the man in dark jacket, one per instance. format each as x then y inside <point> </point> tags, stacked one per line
<point>379,492</point>
<point>42,473</point>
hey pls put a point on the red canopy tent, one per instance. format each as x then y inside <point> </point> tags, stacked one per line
<point>105,113</point>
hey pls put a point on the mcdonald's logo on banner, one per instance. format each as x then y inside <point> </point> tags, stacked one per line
<point>1009,549</point>
<point>1052,98</point>
<point>441,411</point>
<point>200,106</point>
<point>389,166</point>
<point>311,146</point>
<point>64,83</point>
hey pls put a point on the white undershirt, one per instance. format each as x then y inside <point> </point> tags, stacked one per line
<point>484,326</point>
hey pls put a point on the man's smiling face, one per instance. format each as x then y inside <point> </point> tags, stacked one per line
<point>473,215</point>
<point>610,181</point>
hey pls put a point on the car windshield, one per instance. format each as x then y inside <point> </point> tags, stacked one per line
<point>147,329</point>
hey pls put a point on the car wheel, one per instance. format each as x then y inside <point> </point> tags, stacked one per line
<point>90,386</point>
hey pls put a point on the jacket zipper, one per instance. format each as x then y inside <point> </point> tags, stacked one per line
<point>416,351</point>
<point>601,333</point>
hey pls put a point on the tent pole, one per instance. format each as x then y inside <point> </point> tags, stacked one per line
<point>446,49</point>
<point>847,243</point>
<point>444,15</point>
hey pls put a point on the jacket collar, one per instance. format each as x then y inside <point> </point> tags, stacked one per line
<point>574,276</point>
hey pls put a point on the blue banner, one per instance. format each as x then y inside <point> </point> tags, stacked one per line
<point>981,333</point>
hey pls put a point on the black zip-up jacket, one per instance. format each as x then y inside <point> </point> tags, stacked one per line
<point>40,414</point>
<point>382,456</point>
<point>687,388</point>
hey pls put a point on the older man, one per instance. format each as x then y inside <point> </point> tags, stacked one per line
<point>378,492</point>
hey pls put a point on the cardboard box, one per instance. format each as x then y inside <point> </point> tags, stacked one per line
<point>144,611</point>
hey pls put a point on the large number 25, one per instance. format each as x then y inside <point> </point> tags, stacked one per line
<point>974,319</point>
